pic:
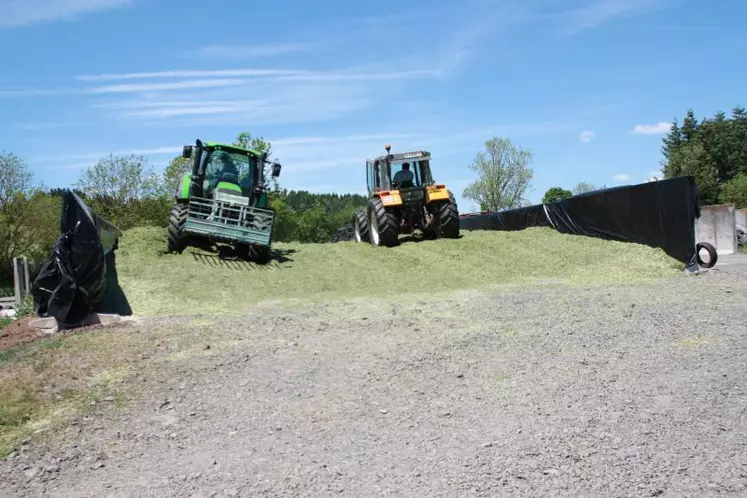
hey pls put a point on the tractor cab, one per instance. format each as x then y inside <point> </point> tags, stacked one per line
<point>219,170</point>
<point>403,171</point>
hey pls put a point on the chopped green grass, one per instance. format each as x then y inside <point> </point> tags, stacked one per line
<point>197,281</point>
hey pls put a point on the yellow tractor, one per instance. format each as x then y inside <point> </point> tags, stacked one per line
<point>404,199</point>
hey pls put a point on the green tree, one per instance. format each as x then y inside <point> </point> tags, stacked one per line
<point>713,151</point>
<point>504,176</point>
<point>118,186</point>
<point>172,175</point>
<point>29,218</point>
<point>556,194</point>
<point>246,141</point>
<point>583,187</point>
<point>735,191</point>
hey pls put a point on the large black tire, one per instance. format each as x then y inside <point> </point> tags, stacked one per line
<point>261,254</point>
<point>360,227</point>
<point>712,254</point>
<point>177,240</point>
<point>448,218</point>
<point>382,225</point>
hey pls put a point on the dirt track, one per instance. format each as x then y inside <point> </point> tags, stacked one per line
<point>606,391</point>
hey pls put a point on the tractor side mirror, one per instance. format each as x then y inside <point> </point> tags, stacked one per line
<point>187,151</point>
<point>276,170</point>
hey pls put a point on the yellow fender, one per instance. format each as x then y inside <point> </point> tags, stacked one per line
<point>390,198</point>
<point>435,193</point>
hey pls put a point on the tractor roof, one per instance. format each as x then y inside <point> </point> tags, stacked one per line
<point>221,146</point>
<point>404,156</point>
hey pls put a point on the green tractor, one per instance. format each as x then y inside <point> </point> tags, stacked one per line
<point>224,199</point>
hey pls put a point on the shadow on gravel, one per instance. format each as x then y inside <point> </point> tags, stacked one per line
<point>114,300</point>
<point>227,258</point>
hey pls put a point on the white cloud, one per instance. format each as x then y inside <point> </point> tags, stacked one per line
<point>27,12</point>
<point>622,178</point>
<point>659,128</point>
<point>587,136</point>
<point>654,176</point>
<point>250,51</point>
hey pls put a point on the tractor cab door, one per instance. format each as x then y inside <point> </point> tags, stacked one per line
<point>370,178</point>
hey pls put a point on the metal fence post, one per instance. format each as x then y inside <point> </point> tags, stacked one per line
<point>21,279</point>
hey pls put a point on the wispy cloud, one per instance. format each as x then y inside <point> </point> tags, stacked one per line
<point>250,51</point>
<point>17,13</point>
<point>95,156</point>
<point>599,12</point>
<point>155,87</point>
<point>659,128</point>
<point>587,136</point>
<point>621,178</point>
<point>276,96</point>
<point>192,73</point>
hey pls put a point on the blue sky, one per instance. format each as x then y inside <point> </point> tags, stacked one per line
<point>588,86</point>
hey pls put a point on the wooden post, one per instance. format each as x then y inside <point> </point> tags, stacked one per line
<point>21,279</point>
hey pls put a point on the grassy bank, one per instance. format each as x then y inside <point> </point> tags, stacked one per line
<point>197,281</point>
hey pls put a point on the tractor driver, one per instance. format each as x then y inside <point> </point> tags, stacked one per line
<point>223,167</point>
<point>403,175</point>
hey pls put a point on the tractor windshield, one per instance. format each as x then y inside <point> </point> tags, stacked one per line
<point>230,167</point>
<point>408,174</point>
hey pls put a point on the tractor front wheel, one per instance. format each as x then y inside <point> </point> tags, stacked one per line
<point>448,218</point>
<point>176,238</point>
<point>262,254</point>
<point>382,224</point>
<point>360,224</point>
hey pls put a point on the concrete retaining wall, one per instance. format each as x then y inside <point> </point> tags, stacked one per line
<point>741,215</point>
<point>717,225</point>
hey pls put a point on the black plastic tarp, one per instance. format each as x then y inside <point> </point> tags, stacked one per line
<point>513,219</point>
<point>658,214</point>
<point>73,281</point>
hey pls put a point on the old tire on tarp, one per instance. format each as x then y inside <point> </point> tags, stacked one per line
<point>712,254</point>
<point>177,219</point>
<point>72,282</point>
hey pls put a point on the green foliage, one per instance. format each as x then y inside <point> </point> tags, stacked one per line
<point>583,187</point>
<point>713,151</point>
<point>556,194</point>
<point>503,176</point>
<point>29,218</point>
<point>172,175</point>
<point>735,191</point>
<point>307,217</point>
<point>124,191</point>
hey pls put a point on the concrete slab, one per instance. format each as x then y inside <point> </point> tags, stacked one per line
<point>50,325</point>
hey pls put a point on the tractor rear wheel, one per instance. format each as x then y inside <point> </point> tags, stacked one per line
<point>360,224</point>
<point>448,218</point>
<point>176,238</point>
<point>382,224</point>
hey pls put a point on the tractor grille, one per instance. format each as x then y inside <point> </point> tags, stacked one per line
<point>411,196</point>
<point>229,222</point>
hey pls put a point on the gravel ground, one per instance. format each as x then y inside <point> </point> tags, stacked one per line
<point>632,390</point>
